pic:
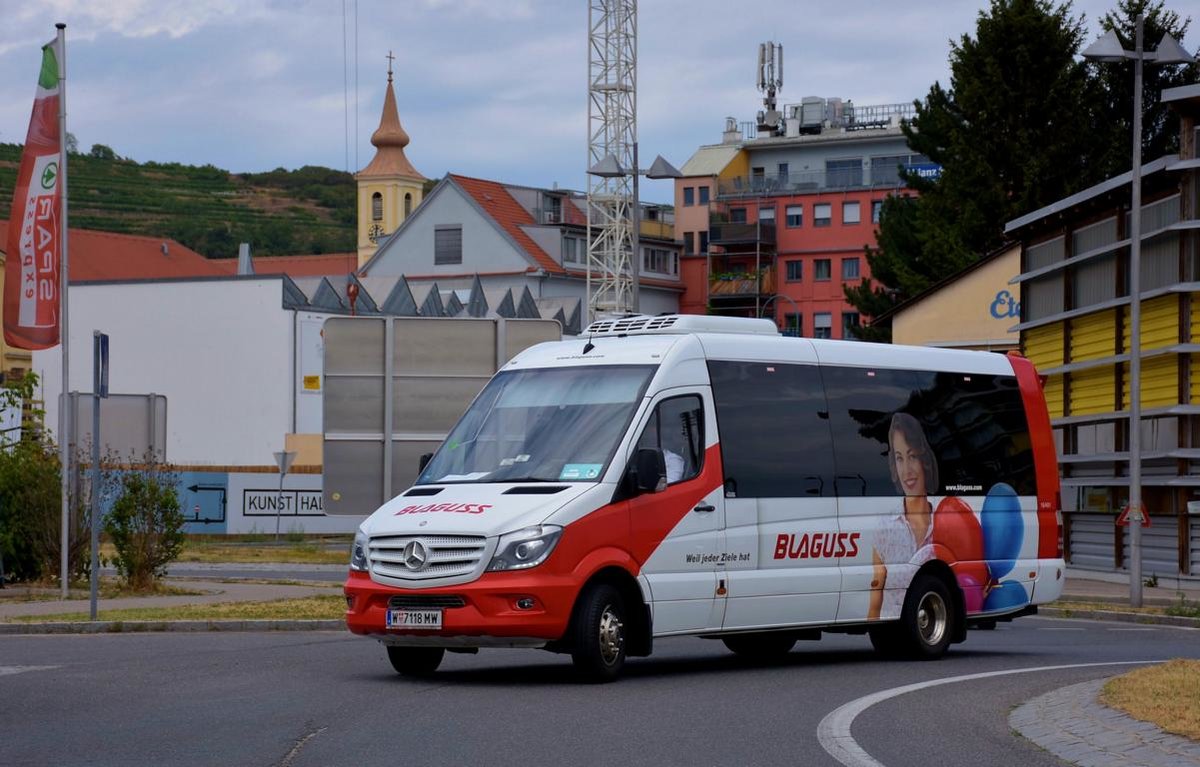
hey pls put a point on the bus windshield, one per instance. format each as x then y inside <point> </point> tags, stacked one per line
<point>542,425</point>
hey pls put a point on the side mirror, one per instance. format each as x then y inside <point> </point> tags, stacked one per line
<point>423,461</point>
<point>650,468</point>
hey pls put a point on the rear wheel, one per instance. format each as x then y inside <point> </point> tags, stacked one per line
<point>760,646</point>
<point>415,661</point>
<point>599,634</point>
<point>927,620</point>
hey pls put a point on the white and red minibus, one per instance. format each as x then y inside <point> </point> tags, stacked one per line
<point>693,475</point>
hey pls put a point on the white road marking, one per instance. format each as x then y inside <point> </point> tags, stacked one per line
<point>8,670</point>
<point>1059,628</point>
<point>1141,629</point>
<point>834,730</point>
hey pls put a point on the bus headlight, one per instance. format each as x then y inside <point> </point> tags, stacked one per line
<point>525,548</point>
<point>358,554</point>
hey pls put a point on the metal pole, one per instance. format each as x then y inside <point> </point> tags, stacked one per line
<point>64,417</point>
<point>278,505</point>
<point>95,499</point>
<point>1135,337</point>
<point>637,234</point>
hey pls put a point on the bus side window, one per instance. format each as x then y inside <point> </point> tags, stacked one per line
<point>677,428</point>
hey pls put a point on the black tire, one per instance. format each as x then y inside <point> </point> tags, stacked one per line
<point>415,661</point>
<point>928,619</point>
<point>760,646</point>
<point>886,640</point>
<point>598,636</point>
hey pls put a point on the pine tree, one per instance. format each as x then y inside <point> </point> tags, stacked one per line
<point>1160,126</point>
<point>1012,133</point>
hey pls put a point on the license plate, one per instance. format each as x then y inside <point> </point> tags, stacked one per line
<point>414,619</point>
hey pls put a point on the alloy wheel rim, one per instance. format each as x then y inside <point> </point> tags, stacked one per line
<point>612,636</point>
<point>931,618</point>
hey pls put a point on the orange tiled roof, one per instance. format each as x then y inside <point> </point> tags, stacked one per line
<point>322,265</point>
<point>96,256</point>
<point>508,213</point>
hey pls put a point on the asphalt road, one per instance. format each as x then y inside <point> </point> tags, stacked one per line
<point>301,699</point>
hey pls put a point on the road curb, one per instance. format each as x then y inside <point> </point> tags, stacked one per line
<point>1116,615</point>
<point>132,627</point>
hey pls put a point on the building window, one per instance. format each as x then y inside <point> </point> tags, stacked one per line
<point>849,325</point>
<point>660,261</point>
<point>822,270</point>
<point>783,173</point>
<point>377,207</point>
<point>737,216</point>
<point>703,242</point>
<point>850,269</point>
<point>703,195</point>
<point>851,213</point>
<point>793,325</point>
<point>767,214</point>
<point>689,195</point>
<point>795,270</point>
<point>689,242</point>
<point>573,250</point>
<point>876,210</point>
<point>758,178</point>
<point>447,245</point>
<point>795,216</point>
<point>842,174</point>
<point>822,214</point>
<point>822,325</point>
<point>407,204</point>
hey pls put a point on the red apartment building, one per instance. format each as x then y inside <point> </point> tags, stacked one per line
<point>774,226</point>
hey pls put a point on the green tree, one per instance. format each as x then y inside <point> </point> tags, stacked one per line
<point>1012,133</point>
<point>1160,125</point>
<point>102,152</point>
<point>145,523</point>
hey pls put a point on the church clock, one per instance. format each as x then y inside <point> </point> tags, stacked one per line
<point>375,232</point>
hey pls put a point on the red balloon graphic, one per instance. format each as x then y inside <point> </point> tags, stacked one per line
<point>956,527</point>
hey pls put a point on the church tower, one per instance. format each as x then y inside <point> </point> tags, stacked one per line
<point>389,188</point>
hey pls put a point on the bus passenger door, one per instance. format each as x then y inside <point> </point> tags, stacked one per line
<point>681,528</point>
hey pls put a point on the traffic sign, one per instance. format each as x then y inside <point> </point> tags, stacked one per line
<point>1128,515</point>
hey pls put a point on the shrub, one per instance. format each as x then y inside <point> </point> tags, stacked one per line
<point>146,524</point>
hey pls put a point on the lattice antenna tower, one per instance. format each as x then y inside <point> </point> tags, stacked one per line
<point>612,131</point>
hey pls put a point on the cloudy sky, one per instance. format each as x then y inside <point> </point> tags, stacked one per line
<point>490,88</point>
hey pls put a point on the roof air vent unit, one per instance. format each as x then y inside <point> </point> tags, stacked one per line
<point>679,324</point>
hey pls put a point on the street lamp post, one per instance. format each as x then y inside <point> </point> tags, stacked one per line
<point>608,167</point>
<point>1108,49</point>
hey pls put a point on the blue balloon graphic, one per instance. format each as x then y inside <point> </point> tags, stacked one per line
<point>1003,529</point>
<point>1005,596</point>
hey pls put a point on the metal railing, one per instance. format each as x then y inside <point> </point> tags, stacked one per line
<point>740,284</point>
<point>727,233</point>
<point>808,181</point>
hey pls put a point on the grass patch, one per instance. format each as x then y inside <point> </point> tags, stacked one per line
<point>1184,609</point>
<point>1079,605</point>
<point>235,552</point>
<point>328,607</point>
<point>1167,695</point>
<point>108,588</point>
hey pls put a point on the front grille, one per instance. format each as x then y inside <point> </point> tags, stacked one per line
<point>448,556</point>
<point>424,603</point>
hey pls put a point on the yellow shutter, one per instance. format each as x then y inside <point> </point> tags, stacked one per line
<point>1092,391</point>
<point>1094,336</point>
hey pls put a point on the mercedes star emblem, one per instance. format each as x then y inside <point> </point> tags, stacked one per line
<point>415,555</point>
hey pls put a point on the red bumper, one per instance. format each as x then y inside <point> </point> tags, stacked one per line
<point>489,609</point>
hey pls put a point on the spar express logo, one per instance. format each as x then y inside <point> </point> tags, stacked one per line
<point>459,508</point>
<point>816,545</point>
<point>50,176</point>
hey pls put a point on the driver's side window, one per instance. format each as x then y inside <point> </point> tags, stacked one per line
<point>677,428</point>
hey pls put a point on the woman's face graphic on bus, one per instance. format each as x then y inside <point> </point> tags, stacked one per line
<point>909,466</point>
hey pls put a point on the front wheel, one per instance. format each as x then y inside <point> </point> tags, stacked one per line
<point>415,661</point>
<point>599,634</point>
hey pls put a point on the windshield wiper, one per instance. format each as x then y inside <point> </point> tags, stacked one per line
<point>528,479</point>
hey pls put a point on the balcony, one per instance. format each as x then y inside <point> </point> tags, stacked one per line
<point>732,286</point>
<point>801,182</point>
<point>734,236</point>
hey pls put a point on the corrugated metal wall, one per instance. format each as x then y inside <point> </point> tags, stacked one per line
<point>1160,382</point>
<point>1044,297</point>
<point>1160,547</point>
<point>1092,391</point>
<point>1094,336</point>
<point>1092,541</point>
<point>1044,254</point>
<point>1094,236</point>
<point>1094,282</point>
<point>1194,544</point>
